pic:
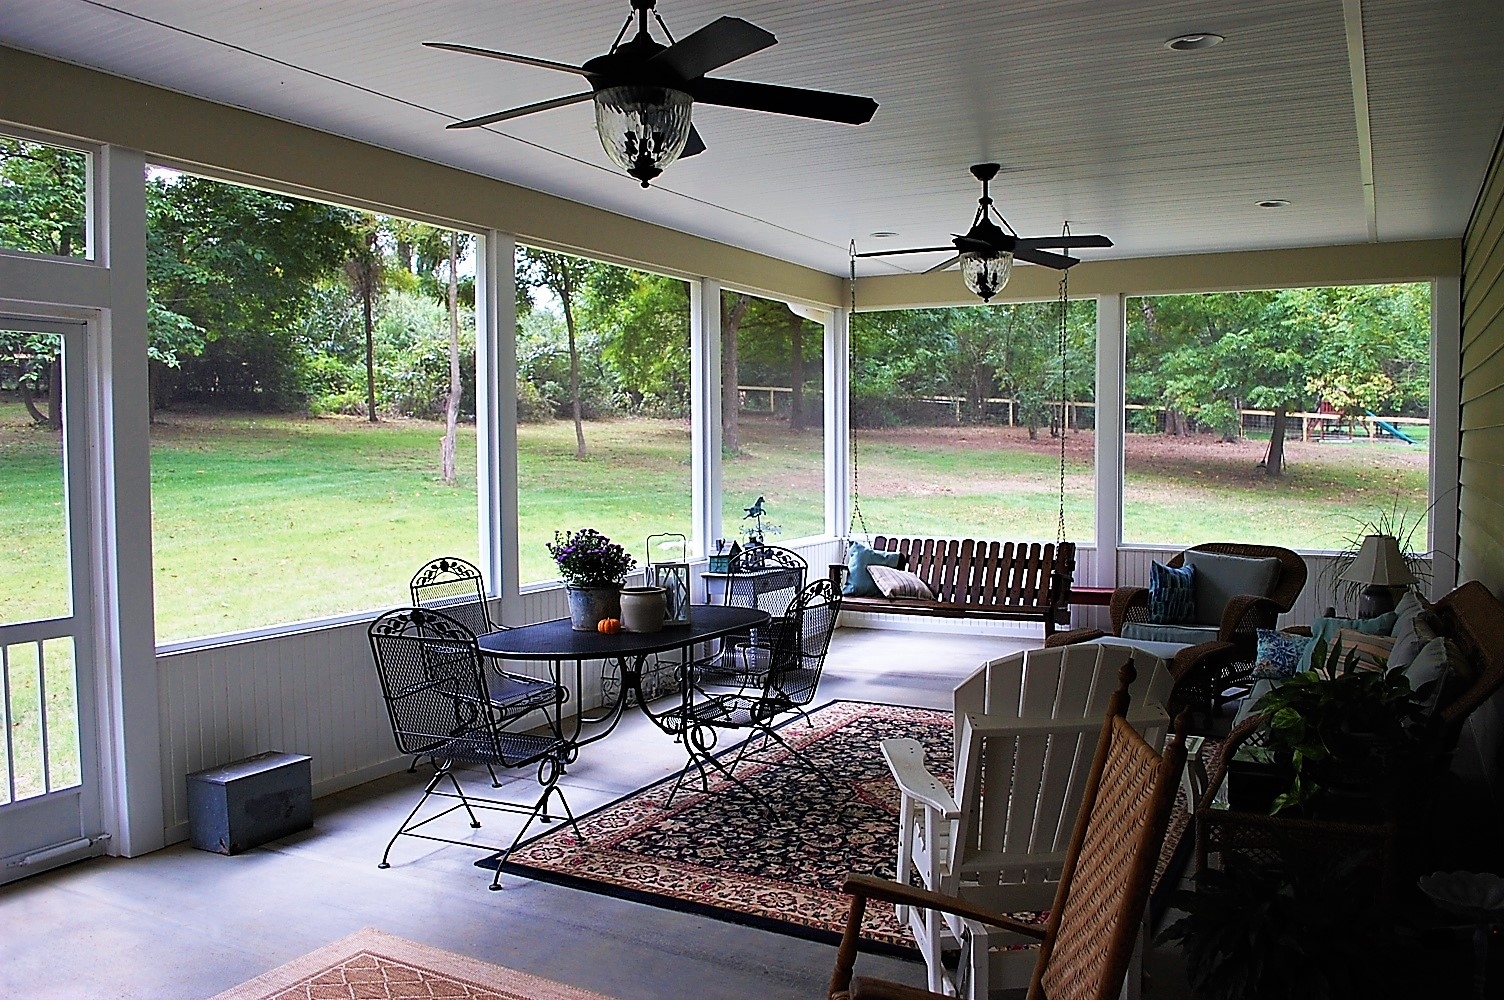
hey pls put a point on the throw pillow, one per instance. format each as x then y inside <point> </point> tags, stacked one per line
<point>1433,673</point>
<point>1374,651</point>
<point>899,583</point>
<point>1172,594</point>
<point>1220,578</point>
<point>1407,641</point>
<point>1278,654</point>
<point>859,582</point>
<point>1326,629</point>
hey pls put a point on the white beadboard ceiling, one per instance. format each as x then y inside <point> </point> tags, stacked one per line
<point>1094,121</point>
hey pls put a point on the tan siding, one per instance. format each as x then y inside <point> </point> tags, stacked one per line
<point>1481,526</point>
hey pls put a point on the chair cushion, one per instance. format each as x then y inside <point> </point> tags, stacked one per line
<point>1278,654</point>
<point>859,582</point>
<point>1220,578</point>
<point>899,583</point>
<point>1172,594</point>
<point>1407,643</point>
<point>1164,650</point>
<point>1373,650</point>
<point>1186,635</point>
<point>1326,629</point>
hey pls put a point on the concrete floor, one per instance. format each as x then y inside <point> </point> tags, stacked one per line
<point>182,923</point>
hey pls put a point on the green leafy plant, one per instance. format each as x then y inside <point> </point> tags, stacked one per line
<point>587,558</point>
<point>1399,523</point>
<point>1341,725</point>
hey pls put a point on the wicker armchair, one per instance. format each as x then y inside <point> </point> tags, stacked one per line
<point>1087,946</point>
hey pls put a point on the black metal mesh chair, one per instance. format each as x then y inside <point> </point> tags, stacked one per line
<point>444,712</point>
<point>765,577</point>
<point>782,676</point>
<point>455,587</point>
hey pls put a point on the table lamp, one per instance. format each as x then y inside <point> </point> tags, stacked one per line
<point>1380,567</point>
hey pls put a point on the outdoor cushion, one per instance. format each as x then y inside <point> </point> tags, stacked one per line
<point>1372,650</point>
<point>1220,578</point>
<point>1172,594</point>
<point>1436,664</point>
<point>859,582</point>
<point>1278,654</point>
<point>1407,643</point>
<point>1188,635</point>
<point>899,583</point>
<point>1327,629</point>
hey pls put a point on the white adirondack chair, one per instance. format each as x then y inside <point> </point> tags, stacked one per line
<point>1026,729</point>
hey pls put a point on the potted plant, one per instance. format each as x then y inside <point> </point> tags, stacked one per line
<point>1341,736</point>
<point>593,569</point>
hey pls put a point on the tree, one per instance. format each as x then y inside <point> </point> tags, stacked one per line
<point>366,272</point>
<point>733,307</point>
<point>566,277</point>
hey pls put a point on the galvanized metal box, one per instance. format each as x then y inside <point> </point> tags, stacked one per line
<point>241,805</point>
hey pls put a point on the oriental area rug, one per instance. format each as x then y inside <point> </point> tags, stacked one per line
<point>370,965</point>
<point>718,854</point>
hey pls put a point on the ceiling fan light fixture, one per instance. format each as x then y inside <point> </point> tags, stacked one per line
<point>643,129</point>
<point>986,273</point>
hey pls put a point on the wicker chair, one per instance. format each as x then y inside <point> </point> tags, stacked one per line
<point>1087,945</point>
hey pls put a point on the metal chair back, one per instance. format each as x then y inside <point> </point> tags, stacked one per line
<point>456,588</point>
<point>765,577</point>
<point>800,642</point>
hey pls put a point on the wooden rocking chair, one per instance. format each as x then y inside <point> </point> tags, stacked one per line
<point>1024,742</point>
<point>1087,946</point>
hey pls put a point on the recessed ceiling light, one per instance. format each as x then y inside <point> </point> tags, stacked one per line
<point>883,234</point>
<point>1195,40</point>
<point>1273,203</point>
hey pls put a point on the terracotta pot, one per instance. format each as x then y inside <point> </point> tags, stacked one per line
<point>643,608</point>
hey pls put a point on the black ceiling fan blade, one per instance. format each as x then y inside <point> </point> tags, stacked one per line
<point>722,41</point>
<point>694,145</point>
<point>890,253</point>
<point>941,267</point>
<point>1056,260</point>
<point>527,109</point>
<point>508,57</point>
<point>1065,242</point>
<point>795,101</point>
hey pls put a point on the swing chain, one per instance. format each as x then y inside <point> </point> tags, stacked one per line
<point>1065,277</point>
<point>856,487</point>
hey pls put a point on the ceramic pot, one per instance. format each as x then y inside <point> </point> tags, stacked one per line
<point>643,608</point>
<point>588,605</point>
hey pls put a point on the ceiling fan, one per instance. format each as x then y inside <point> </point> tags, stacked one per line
<point>643,90</point>
<point>987,251</point>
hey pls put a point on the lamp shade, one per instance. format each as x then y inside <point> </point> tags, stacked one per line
<point>643,129</point>
<point>1379,562</point>
<point>986,273</point>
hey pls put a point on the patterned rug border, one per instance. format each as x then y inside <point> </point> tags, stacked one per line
<point>666,902</point>
<point>496,979</point>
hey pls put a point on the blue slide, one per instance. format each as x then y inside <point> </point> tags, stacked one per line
<point>1389,428</point>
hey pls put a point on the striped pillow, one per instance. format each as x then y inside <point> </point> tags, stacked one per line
<point>1373,650</point>
<point>899,583</point>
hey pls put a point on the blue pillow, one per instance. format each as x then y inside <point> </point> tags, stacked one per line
<point>1172,594</point>
<point>1327,629</point>
<point>1279,654</point>
<point>859,582</point>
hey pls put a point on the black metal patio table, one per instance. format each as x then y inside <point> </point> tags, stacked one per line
<point>555,642</point>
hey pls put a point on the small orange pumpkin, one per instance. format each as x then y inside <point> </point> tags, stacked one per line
<point>608,626</point>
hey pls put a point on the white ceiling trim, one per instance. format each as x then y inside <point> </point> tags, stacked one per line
<point>1357,59</point>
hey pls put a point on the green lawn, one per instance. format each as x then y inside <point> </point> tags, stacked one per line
<point>261,521</point>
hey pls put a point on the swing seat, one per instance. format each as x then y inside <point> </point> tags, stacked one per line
<point>1007,581</point>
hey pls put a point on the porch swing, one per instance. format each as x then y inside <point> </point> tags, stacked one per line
<point>960,578</point>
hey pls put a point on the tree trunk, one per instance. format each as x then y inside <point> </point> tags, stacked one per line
<point>796,372</point>
<point>366,278</point>
<point>566,290</point>
<point>452,407</point>
<point>31,406</point>
<point>731,320</point>
<point>1274,465</point>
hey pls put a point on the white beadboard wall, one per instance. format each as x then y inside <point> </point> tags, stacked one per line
<point>315,692</point>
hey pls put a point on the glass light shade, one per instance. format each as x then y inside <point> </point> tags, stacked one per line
<point>986,273</point>
<point>643,129</point>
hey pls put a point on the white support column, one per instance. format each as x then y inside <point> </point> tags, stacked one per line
<point>1446,429</point>
<point>838,423</point>
<point>125,627</point>
<point>1112,337</point>
<point>705,412</point>
<point>496,416</point>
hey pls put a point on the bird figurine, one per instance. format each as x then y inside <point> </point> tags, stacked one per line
<point>756,510</point>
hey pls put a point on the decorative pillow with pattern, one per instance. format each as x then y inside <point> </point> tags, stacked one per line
<point>1278,654</point>
<point>899,583</point>
<point>1373,650</point>
<point>1172,594</point>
